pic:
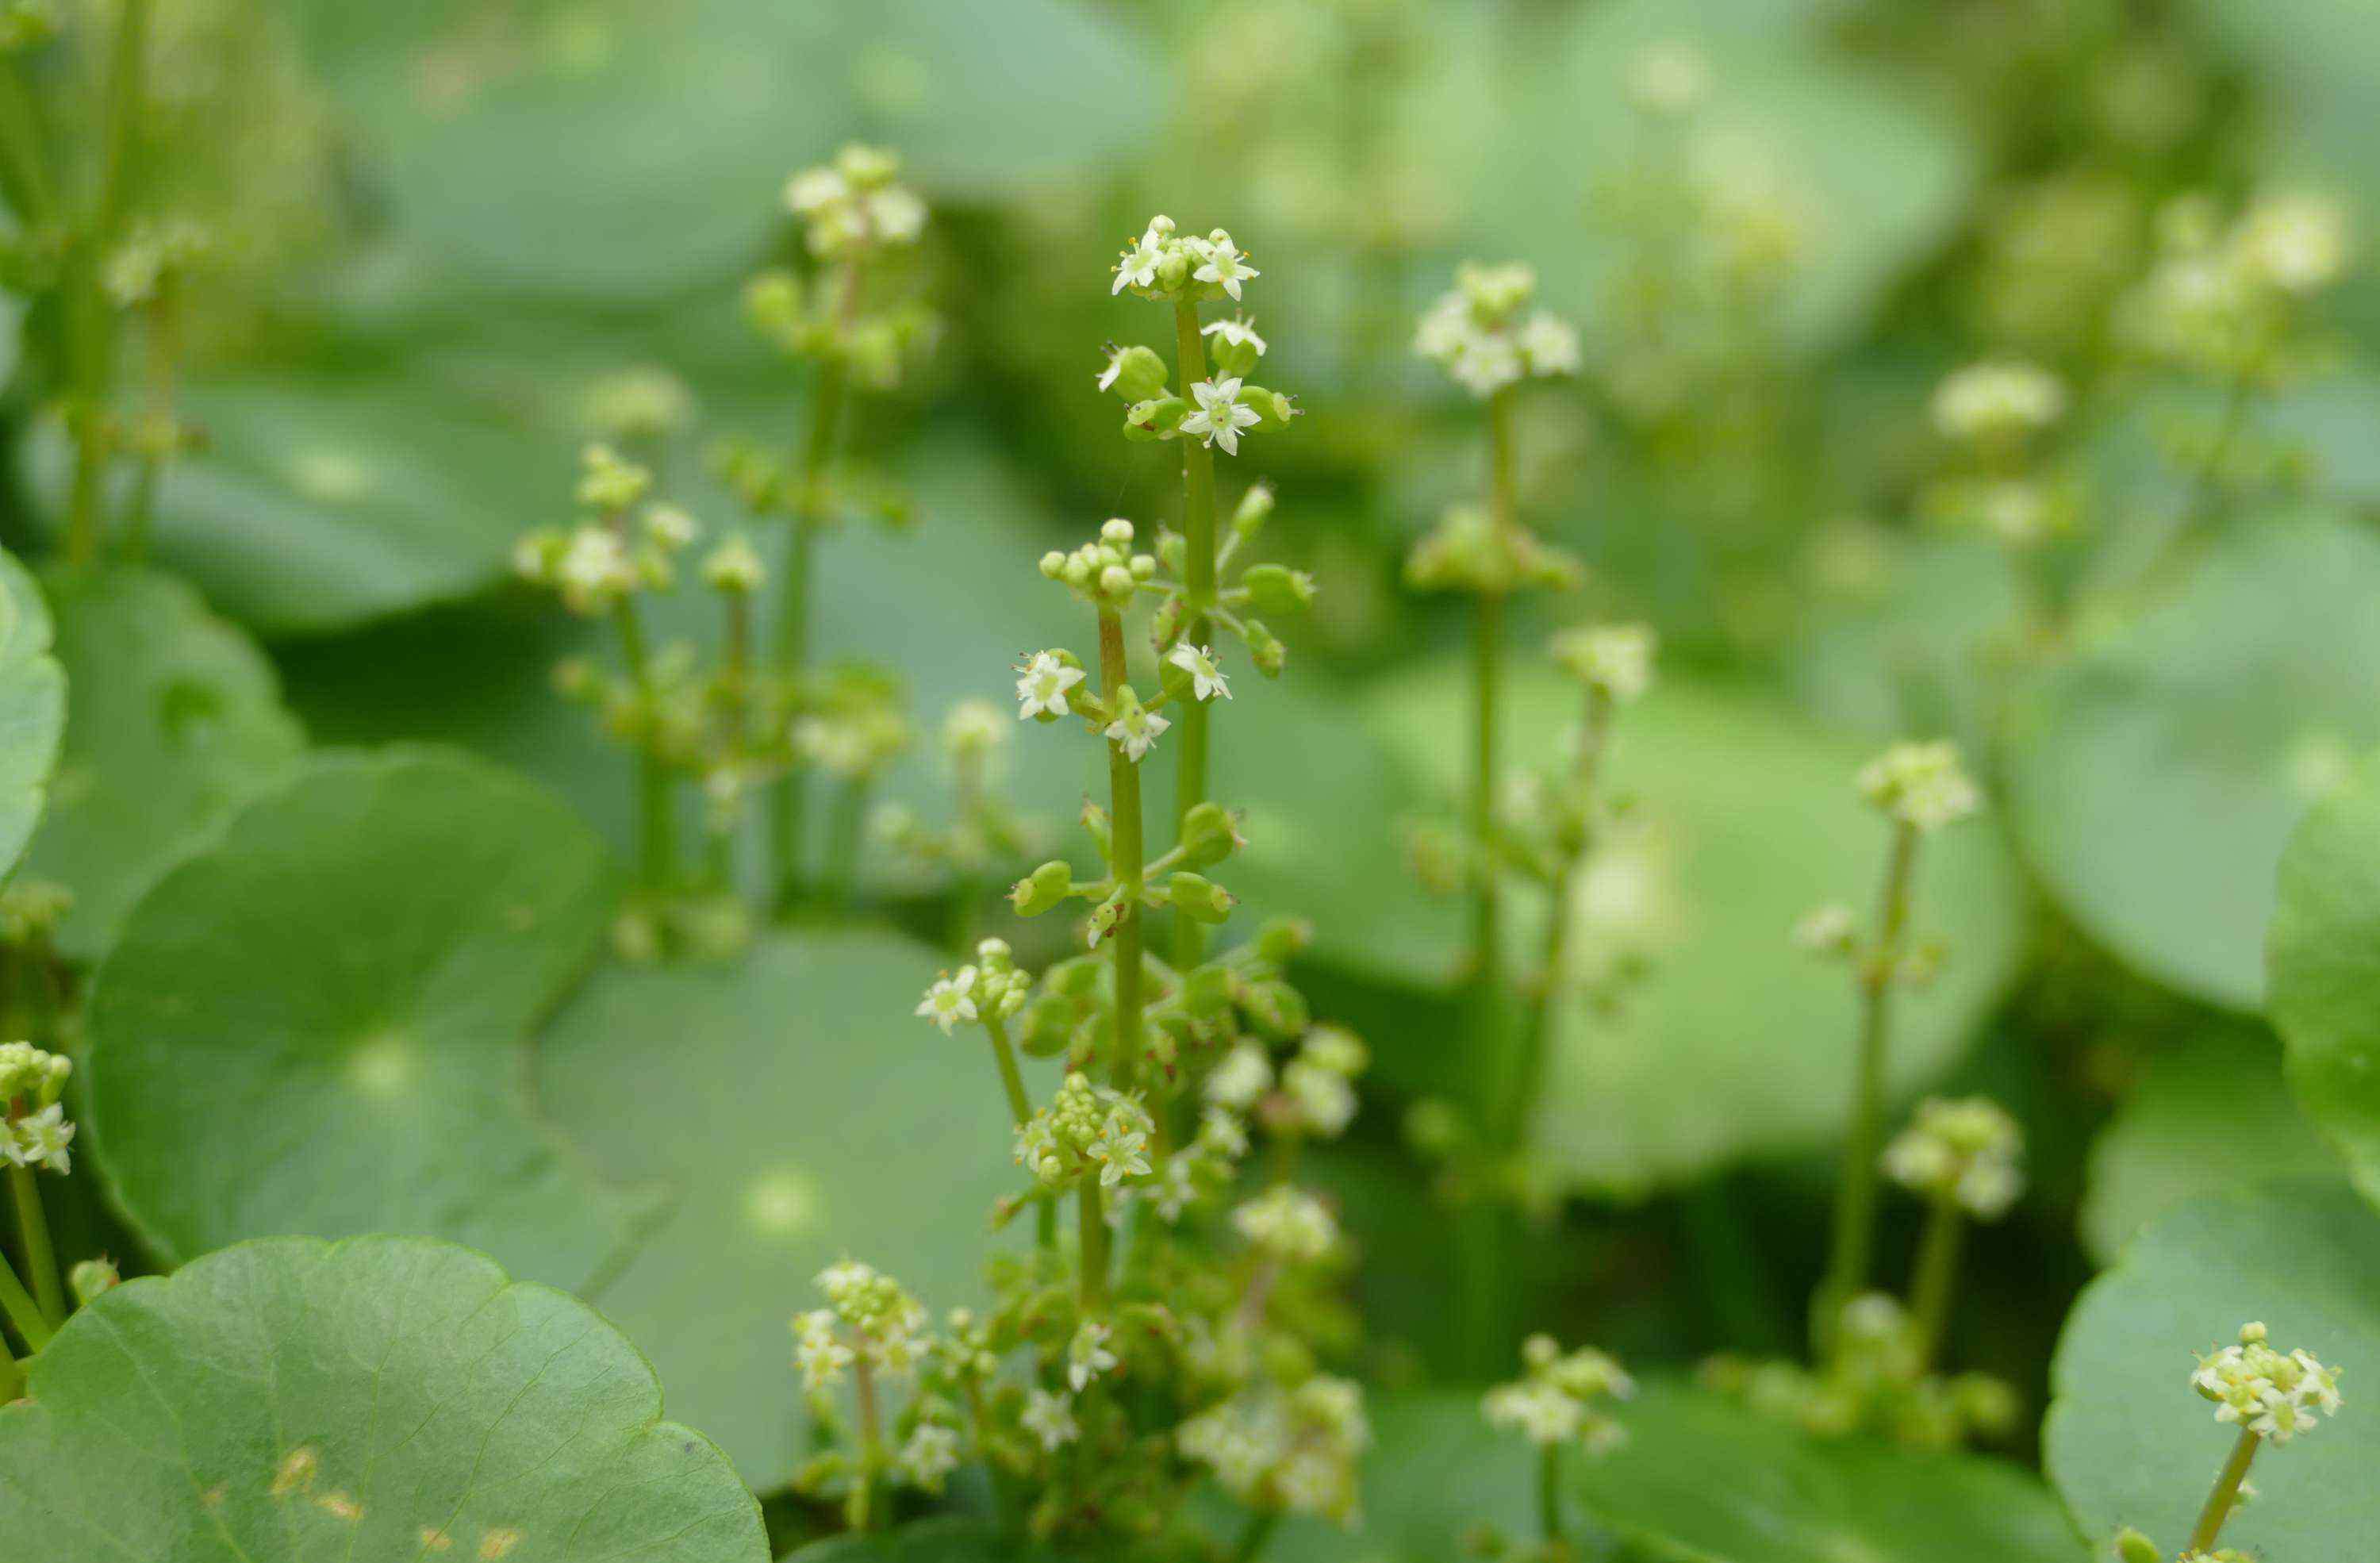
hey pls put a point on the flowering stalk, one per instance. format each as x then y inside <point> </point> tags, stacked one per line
<point>1936,1276</point>
<point>1124,853</point>
<point>789,653</point>
<point>2225,1494</point>
<point>31,1321</point>
<point>1559,1402</point>
<point>656,796</point>
<point>1486,677</point>
<point>34,1134</point>
<point>41,1255</point>
<point>1197,598</point>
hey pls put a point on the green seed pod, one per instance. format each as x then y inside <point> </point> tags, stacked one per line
<point>2133,1548</point>
<point>1139,374</point>
<point>1280,941</point>
<point>1276,588</point>
<point>1199,898</point>
<point>1208,835</point>
<point>91,1277</point>
<point>1155,419</point>
<point>1206,992</point>
<point>1043,888</point>
<point>1255,510</point>
<point>1277,1007</point>
<point>1264,650</point>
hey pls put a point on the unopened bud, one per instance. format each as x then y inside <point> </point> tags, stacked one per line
<point>91,1277</point>
<point>1199,898</point>
<point>1042,888</point>
<point>1276,588</point>
<point>1208,835</point>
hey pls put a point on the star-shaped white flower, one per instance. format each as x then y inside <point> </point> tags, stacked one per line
<point>1220,415</point>
<point>1138,267</point>
<point>1223,266</point>
<point>1043,686</point>
<point>949,1000</point>
<point>1236,330</point>
<point>41,1139</point>
<point>932,1453</point>
<point>1137,730</point>
<point>1119,1153</point>
<point>814,188</point>
<point>1087,1355</point>
<point>1050,1418</point>
<point>1205,679</point>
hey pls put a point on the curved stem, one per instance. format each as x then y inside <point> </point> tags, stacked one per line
<point>1854,1235</point>
<point>1198,580</point>
<point>2226,1496</point>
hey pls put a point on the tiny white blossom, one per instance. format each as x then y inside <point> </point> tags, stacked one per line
<point>41,1139</point>
<point>813,190</point>
<point>950,999</point>
<point>1119,1150</point>
<point>1050,1418</point>
<point>1223,267</point>
<point>897,215</point>
<point>1244,1074</point>
<point>1114,368</point>
<point>1220,415</point>
<point>1236,330</point>
<point>1324,1099</point>
<point>1138,267</point>
<point>1136,731</point>
<point>1205,679</point>
<point>1043,686</point>
<point>820,1353</point>
<point>1550,344</point>
<point>930,1454</point>
<point>1087,1355</point>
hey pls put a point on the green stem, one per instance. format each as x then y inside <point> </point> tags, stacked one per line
<point>1198,580</point>
<point>92,327</point>
<point>12,1376</point>
<point>791,652</point>
<point>1527,1078</point>
<point>861,1510</point>
<point>22,1311</point>
<point>1487,903</point>
<point>1020,1107</point>
<point>845,833</point>
<point>656,806</point>
<point>1255,1534</point>
<point>41,1257</point>
<point>1937,1279</point>
<point>2226,1496</point>
<point>1126,850</point>
<point>1854,1234</point>
<point>1091,1228</point>
<point>20,134</point>
<point>1550,1494</point>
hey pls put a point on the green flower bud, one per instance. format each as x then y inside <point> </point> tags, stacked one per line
<point>1103,919</point>
<point>1199,898</point>
<point>1043,888</point>
<point>1094,820</point>
<point>1209,835</point>
<point>1074,977</point>
<point>1264,650</point>
<point>2133,1548</point>
<point>1155,419</point>
<point>91,1277</point>
<point>1136,374</point>
<point>1282,939</point>
<point>1206,992</point>
<point>1277,1007</point>
<point>1276,588</point>
<point>1053,564</point>
<point>1273,410</point>
<point>1047,1025</point>
<point>1163,625</point>
<point>1256,509</point>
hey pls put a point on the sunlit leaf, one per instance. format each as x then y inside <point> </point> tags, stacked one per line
<point>383,1400</point>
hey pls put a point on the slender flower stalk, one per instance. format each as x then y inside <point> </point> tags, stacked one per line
<point>656,792</point>
<point>1934,1282</point>
<point>40,1254</point>
<point>1197,598</point>
<point>1125,854</point>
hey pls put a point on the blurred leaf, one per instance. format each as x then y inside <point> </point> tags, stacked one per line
<point>174,718</point>
<point>2314,62</point>
<point>614,149</point>
<point>798,1114</point>
<point>948,1540</point>
<point>1735,1041</point>
<point>2159,773</point>
<point>316,1025</point>
<point>1439,1471</point>
<point>33,709</point>
<point>2129,1442</point>
<point>320,504</point>
<point>381,1401</point>
<point>2212,1115</point>
<point>2325,972</point>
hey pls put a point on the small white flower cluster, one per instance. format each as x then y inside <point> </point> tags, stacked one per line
<point>34,1131</point>
<point>1965,1150</point>
<point>1165,264</point>
<point>994,987</point>
<point>1086,1131</point>
<point>2274,1396</point>
<point>870,1319</point>
<point>1559,1400</point>
<point>854,203</point>
<point>1317,1094</point>
<point>600,563</point>
<point>2217,300</point>
<point>1293,1450</point>
<point>1290,1225</point>
<point>1923,785</point>
<point>1049,1417</point>
<point>1485,334</point>
<point>1997,401</point>
<point>135,274</point>
<point>1617,660</point>
<point>1830,931</point>
<point>644,402</point>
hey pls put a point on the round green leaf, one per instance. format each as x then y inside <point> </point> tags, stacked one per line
<point>2161,769</point>
<point>2326,971</point>
<point>320,504</point>
<point>1438,1470</point>
<point>797,1112</point>
<point>1735,1041</point>
<point>176,719</point>
<point>383,1400</point>
<point>2211,1116</point>
<point>316,1025</point>
<point>33,709</point>
<point>2128,1442</point>
<point>953,1539</point>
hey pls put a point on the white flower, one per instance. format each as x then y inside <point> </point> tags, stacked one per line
<point>1205,679</point>
<point>594,572</point>
<point>2296,242</point>
<point>1540,1410</point>
<point>897,215</point>
<point>1136,731</point>
<point>1922,785</point>
<point>1237,331</point>
<point>1223,267</point>
<point>1244,1074</point>
<point>41,1139</point>
<point>950,999</point>
<point>1984,400</point>
<point>1616,659</point>
<point>1116,368</point>
<point>1324,1100</point>
<point>900,1349</point>
<point>1043,686</point>
<point>1220,1131</point>
<point>1289,1223</point>
<point>1119,1150</point>
<point>734,565</point>
<point>1087,1355</point>
<point>1050,1418</point>
<point>821,1353</point>
<point>1138,267</point>
<point>930,1454</point>
<point>671,526</point>
<point>813,190</point>
<point>1550,344</point>
<point>1220,415</point>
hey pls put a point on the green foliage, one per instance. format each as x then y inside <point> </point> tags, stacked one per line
<point>174,718</point>
<point>2326,953</point>
<point>381,1400</point>
<point>32,708</point>
<point>318,1023</point>
<point>2129,1442</point>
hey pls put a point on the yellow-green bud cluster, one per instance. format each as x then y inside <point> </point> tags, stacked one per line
<point>30,910</point>
<point>2221,299</point>
<point>1616,659</point>
<point>1485,334</point>
<point>1086,1131</point>
<point>855,203</point>
<point>1104,572</point>
<point>1166,264</point>
<point>1998,403</point>
<point>1923,785</point>
<point>1468,551</point>
<point>1562,1397</point>
<point>2272,1395</point>
<point>34,1131</point>
<point>1964,1151</point>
